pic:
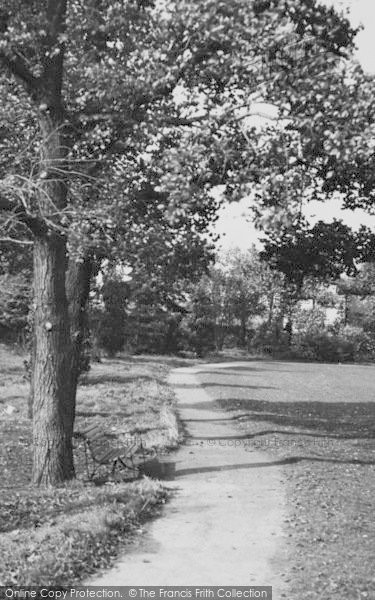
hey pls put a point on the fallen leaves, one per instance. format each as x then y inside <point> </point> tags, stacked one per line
<point>52,536</point>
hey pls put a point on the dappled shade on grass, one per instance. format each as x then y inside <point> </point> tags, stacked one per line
<point>340,419</point>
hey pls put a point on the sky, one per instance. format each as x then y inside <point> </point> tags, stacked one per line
<point>233,224</point>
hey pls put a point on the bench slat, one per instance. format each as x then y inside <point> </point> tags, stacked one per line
<point>109,456</point>
<point>103,453</point>
<point>95,436</point>
<point>123,452</point>
<point>129,450</point>
<point>92,429</point>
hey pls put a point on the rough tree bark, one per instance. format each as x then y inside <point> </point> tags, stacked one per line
<point>78,279</point>
<point>53,412</point>
<point>77,283</point>
<point>53,409</point>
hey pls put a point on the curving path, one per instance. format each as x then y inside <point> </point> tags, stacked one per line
<point>223,525</point>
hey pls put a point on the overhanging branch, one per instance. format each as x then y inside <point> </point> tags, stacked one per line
<point>35,224</point>
<point>10,240</point>
<point>18,67</point>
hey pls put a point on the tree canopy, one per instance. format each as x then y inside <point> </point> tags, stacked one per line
<point>128,114</point>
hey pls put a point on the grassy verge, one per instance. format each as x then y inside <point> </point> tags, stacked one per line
<point>329,465</point>
<point>57,536</point>
<point>62,535</point>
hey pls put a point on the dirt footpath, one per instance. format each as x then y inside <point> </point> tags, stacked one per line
<point>223,525</point>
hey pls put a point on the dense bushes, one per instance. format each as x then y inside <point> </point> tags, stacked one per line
<point>269,339</point>
<point>323,346</point>
<point>15,300</point>
<point>151,330</point>
<point>313,339</point>
<point>348,344</point>
<point>239,303</point>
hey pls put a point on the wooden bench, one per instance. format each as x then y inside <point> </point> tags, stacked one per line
<point>104,453</point>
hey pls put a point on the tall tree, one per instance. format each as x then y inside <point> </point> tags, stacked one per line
<point>323,252</point>
<point>105,85</point>
<point>244,277</point>
<point>237,289</point>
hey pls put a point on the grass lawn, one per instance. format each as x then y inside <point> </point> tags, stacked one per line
<point>57,536</point>
<point>318,421</point>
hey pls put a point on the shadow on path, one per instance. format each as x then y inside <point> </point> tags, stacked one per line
<point>250,436</point>
<point>194,386</point>
<point>256,465</point>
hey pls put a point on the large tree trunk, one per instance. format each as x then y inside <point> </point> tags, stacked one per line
<point>62,336</point>
<point>53,410</point>
<point>78,281</point>
<point>53,407</point>
<point>56,361</point>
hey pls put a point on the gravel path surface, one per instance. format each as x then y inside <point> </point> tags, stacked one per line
<point>223,525</point>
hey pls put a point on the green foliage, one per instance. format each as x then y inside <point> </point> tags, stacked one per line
<point>224,303</point>
<point>313,335</point>
<point>315,340</point>
<point>270,339</point>
<point>326,346</point>
<point>361,285</point>
<point>116,98</point>
<point>151,330</point>
<point>309,320</point>
<point>15,298</point>
<point>152,100</point>
<point>151,93</point>
<point>322,252</point>
<point>362,341</point>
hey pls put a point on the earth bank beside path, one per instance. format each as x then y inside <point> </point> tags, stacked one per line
<point>223,525</point>
<point>57,536</point>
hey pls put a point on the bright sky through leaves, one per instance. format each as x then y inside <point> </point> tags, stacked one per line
<point>233,224</point>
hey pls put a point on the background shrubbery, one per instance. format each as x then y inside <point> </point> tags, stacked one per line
<point>241,302</point>
<point>15,297</point>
